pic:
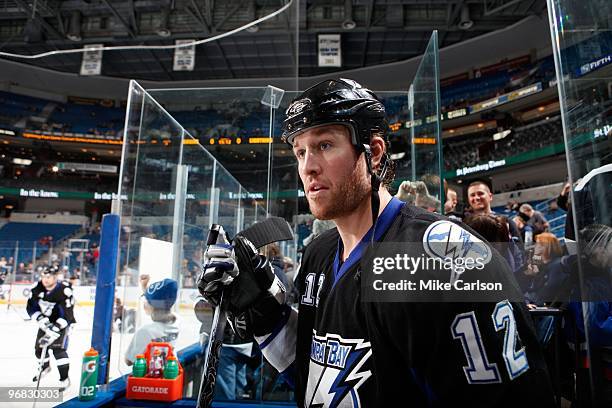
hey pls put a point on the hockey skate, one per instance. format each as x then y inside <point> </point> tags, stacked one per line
<point>42,373</point>
<point>64,384</point>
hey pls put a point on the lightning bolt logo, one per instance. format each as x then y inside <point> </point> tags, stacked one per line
<point>444,239</point>
<point>337,371</point>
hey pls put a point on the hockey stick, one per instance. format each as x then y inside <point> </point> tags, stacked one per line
<point>25,319</point>
<point>41,363</point>
<point>270,230</point>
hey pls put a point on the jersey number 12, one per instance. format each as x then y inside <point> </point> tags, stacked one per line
<point>479,370</point>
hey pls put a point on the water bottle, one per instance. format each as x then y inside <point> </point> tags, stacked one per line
<point>171,370</point>
<point>140,366</point>
<point>156,365</point>
<point>89,375</point>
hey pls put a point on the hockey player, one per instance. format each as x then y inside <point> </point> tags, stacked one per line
<point>341,350</point>
<point>51,305</point>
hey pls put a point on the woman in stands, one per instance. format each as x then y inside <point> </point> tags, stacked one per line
<point>546,258</point>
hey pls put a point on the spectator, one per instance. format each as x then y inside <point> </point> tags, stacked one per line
<point>536,219</point>
<point>159,299</point>
<point>563,198</point>
<point>3,275</point>
<point>77,272</point>
<point>495,230</point>
<point>21,269</point>
<point>318,227</point>
<point>525,229</point>
<point>234,357</point>
<point>512,206</point>
<point>592,309</point>
<point>74,280</point>
<point>479,199</point>
<point>95,252</point>
<point>546,257</point>
<point>277,261</point>
<point>66,256</point>
<point>65,272</point>
<point>451,201</point>
<point>416,193</point>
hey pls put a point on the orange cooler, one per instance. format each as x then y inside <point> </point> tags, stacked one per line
<point>156,389</point>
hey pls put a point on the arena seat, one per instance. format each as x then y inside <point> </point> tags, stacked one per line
<point>29,233</point>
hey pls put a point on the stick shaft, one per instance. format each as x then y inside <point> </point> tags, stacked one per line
<point>213,350</point>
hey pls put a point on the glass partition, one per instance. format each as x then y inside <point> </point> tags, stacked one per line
<point>398,134</point>
<point>151,188</point>
<point>193,157</point>
<point>582,45</point>
<point>234,126</point>
<point>424,124</point>
<point>172,190</point>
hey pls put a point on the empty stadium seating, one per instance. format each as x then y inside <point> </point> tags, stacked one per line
<point>479,148</point>
<point>26,236</point>
<point>554,216</point>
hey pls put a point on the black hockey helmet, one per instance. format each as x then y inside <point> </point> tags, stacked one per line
<point>342,102</point>
<point>336,101</point>
<point>50,270</point>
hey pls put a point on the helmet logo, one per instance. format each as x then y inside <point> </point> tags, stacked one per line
<point>298,106</point>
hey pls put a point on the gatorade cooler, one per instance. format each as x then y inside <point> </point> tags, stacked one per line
<point>156,389</point>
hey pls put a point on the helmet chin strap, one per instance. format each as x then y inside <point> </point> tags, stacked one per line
<point>375,181</point>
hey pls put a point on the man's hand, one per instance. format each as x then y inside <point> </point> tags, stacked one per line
<point>566,189</point>
<point>51,334</point>
<point>218,270</point>
<point>143,281</point>
<point>256,277</point>
<point>251,282</point>
<point>532,270</point>
<point>43,322</point>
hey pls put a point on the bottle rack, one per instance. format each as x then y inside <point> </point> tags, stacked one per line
<point>156,389</point>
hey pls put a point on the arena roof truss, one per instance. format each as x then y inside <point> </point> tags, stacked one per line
<point>373,32</point>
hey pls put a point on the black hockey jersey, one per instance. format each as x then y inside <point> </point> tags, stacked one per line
<point>346,352</point>
<point>57,304</point>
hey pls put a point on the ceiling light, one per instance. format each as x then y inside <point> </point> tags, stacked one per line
<point>163,30</point>
<point>23,162</point>
<point>349,24</point>
<point>74,27</point>
<point>501,134</point>
<point>465,23</point>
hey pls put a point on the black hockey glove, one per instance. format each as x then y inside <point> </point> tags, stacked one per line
<point>256,277</point>
<point>250,277</point>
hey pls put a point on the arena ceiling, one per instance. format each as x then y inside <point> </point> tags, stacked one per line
<point>373,32</point>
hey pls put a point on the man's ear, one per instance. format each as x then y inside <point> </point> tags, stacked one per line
<point>377,146</point>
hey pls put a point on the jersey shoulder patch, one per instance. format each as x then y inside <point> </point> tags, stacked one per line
<point>448,240</point>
